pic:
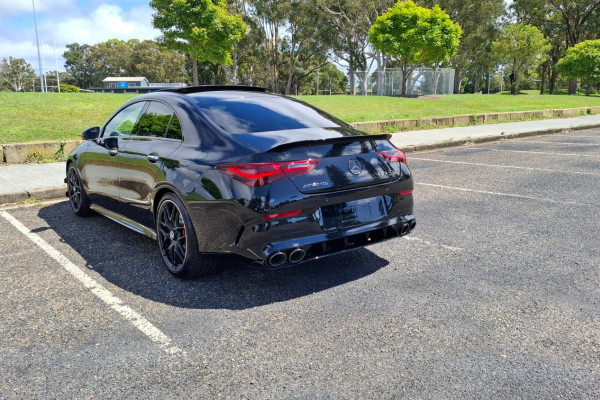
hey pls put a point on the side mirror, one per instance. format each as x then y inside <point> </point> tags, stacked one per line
<point>90,133</point>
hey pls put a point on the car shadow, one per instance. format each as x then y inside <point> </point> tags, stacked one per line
<point>132,262</point>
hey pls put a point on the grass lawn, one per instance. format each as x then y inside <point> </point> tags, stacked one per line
<point>40,117</point>
<point>374,108</point>
<point>32,117</point>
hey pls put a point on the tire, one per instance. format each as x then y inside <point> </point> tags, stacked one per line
<point>177,241</point>
<point>80,203</point>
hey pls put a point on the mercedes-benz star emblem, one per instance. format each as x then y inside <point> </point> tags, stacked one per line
<point>354,166</point>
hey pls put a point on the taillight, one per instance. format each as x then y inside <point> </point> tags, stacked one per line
<point>259,174</point>
<point>395,155</point>
<point>282,215</point>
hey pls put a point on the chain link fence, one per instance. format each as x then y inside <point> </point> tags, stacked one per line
<point>422,81</point>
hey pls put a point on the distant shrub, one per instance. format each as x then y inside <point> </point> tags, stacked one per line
<point>68,89</point>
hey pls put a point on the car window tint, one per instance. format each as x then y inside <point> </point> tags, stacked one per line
<point>122,124</point>
<point>174,131</point>
<point>263,114</point>
<point>155,120</point>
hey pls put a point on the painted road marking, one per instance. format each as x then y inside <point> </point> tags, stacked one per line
<point>578,136</point>
<point>505,166</point>
<point>145,326</point>
<point>542,152</point>
<point>520,196</point>
<point>561,143</point>
<point>416,239</point>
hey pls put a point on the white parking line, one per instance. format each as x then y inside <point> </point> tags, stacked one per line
<point>504,194</point>
<point>145,326</point>
<point>578,136</point>
<point>561,143</point>
<point>506,166</point>
<point>543,152</point>
<point>416,239</point>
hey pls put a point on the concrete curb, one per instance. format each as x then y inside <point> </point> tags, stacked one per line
<point>18,153</point>
<point>491,138</point>
<point>38,194</point>
<point>474,119</point>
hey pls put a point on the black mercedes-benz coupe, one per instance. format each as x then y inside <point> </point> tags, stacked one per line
<point>215,170</point>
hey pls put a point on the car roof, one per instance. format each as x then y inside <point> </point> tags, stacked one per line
<point>216,88</point>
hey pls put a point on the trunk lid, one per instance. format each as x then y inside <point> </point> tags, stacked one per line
<point>346,161</point>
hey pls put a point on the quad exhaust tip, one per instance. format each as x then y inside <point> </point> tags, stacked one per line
<point>297,255</point>
<point>404,229</point>
<point>277,259</point>
<point>294,256</point>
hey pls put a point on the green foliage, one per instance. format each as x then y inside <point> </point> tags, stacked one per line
<point>64,88</point>
<point>522,47</point>
<point>89,65</point>
<point>203,29</point>
<point>16,74</point>
<point>80,65</point>
<point>415,35</point>
<point>582,61</point>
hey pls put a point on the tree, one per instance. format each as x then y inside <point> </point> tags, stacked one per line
<point>523,47</point>
<point>89,65</point>
<point>156,63</point>
<point>15,74</point>
<point>479,21</point>
<point>110,58</point>
<point>351,21</point>
<point>415,35</point>
<point>78,64</point>
<point>582,61</point>
<point>307,44</point>
<point>202,29</point>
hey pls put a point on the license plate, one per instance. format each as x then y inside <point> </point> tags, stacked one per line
<point>353,213</point>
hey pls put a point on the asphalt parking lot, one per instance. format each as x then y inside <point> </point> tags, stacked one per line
<point>496,294</point>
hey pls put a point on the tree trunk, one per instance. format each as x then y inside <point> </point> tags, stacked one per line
<point>573,86</point>
<point>404,68</point>
<point>195,71</point>
<point>543,83</point>
<point>291,65</point>
<point>381,64</point>
<point>457,81</point>
<point>352,79</point>
<point>514,85</point>
<point>362,81</point>
<point>552,83</point>
<point>477,82</point>
<point>234,67</point>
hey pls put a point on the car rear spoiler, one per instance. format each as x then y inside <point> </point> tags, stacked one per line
<point>337,140</point>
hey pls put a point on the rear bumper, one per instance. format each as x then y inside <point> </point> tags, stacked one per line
<point>293,251</point>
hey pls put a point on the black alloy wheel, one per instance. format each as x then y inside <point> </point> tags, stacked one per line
<point>77,196</point>
<point>177,240</point>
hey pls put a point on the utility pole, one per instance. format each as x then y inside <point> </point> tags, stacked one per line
<point>37,41</point>
<point>56,66</point>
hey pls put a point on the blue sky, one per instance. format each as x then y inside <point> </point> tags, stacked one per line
<point>68,21</point>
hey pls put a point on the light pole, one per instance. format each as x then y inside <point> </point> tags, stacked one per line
<point>37,41</point>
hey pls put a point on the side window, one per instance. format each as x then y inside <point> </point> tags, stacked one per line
<point>155,120</point>
<point>174,131</point>
<point>122,124</point>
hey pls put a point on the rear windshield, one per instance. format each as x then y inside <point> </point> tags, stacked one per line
<point>263,114</point>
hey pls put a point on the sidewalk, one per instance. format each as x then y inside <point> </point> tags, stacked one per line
<point>18,182</point>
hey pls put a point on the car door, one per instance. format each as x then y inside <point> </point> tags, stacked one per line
<point>145,160</point>
<point>100,164</point>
